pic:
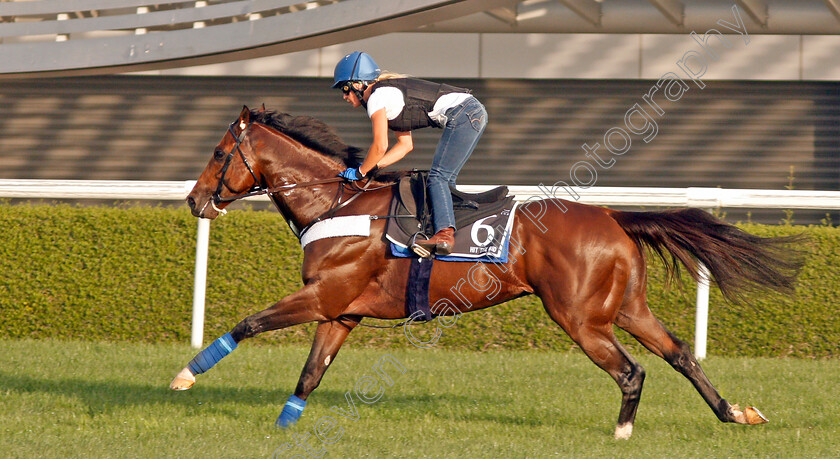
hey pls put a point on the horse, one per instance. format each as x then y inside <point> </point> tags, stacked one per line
<point>586,263</point>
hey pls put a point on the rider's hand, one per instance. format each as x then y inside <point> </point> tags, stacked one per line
<point>352,174</point>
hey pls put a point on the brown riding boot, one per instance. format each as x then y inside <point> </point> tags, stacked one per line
<point>440,244</point>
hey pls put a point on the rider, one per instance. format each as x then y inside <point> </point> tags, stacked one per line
<point>403,104</point>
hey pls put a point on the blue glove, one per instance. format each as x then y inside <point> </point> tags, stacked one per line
<point>352,174</point>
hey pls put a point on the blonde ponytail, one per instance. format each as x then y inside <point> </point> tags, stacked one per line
<point>386,75</point>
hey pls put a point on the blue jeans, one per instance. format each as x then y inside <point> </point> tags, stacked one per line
<point>464,125</point>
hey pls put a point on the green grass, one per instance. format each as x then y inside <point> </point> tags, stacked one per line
<point>82,399</point>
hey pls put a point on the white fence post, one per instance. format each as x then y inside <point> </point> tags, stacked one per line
<point>701,323</point>
<point>201,248</point>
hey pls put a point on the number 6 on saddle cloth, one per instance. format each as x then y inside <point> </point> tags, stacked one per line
<point>483,220</point>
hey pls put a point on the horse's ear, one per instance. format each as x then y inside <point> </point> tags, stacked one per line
<point>262,108</point>
<point>244,117</point>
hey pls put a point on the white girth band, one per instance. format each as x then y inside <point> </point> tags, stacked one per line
<point>351,225</point>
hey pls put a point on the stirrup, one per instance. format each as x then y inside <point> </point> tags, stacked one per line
<point>431,249</point>
<point>418,249</point>
<point>421,251</point>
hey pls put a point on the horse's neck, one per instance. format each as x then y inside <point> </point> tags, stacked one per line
<point>300,206</point>
<point>293,163</point>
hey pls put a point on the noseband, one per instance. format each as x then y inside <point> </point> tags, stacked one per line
<point>257,189</point>
<point>217,195</point>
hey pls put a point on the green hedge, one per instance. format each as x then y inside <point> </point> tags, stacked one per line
<point>125,273</point>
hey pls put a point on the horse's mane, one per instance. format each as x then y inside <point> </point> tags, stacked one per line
<point>313,133</point>
<point>318,136</point>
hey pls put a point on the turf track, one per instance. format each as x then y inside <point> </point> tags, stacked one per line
<point>79,399</point>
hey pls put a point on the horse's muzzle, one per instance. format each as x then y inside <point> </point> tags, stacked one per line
<point>192,206</point>
<point>197,211</point>
<point>207,210</point>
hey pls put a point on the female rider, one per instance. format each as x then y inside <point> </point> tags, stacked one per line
<point>403,104</point>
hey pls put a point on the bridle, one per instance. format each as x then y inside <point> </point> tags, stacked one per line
<point>217,195</point>
<point>257,189</point>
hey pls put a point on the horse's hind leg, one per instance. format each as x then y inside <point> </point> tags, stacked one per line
<point>636,318</point>
<point>594,334</point>
<point>601,347</point>
<point>328,339</point>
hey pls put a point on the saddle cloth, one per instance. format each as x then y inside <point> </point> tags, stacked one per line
<point>483,219</point>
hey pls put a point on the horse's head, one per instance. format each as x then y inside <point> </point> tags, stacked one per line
<point>233,170</point>
<point>266,152</point>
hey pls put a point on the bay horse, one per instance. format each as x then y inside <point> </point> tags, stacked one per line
<point>586,263</point>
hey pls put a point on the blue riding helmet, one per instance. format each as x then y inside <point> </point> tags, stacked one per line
<point>356,66</point>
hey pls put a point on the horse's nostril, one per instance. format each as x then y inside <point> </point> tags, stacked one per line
<point>191,202</point>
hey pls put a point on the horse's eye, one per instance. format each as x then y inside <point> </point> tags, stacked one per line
<point>218,155</point>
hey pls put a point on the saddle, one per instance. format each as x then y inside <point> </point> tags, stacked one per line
<point>412,208</point>
<point>412,205</point>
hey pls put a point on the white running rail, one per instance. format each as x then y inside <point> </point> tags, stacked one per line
<point>706,198</point>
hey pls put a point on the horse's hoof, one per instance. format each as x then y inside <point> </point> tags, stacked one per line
<point>623,432</point>
<point>754,416</point>
<point>183,381</point>
<point>750,415</point>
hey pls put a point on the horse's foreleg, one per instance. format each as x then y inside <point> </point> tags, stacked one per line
<point>297,308</point>
<point>328,339</point>
<point>636,318</point>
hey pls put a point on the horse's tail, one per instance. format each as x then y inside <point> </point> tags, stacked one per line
<point>738,261</point>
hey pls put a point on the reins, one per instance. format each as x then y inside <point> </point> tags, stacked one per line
<point>337,204</point>
<point>258,190</point>
<point>262,191</point>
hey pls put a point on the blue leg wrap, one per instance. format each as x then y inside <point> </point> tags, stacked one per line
<point>291,412</point>
<point>211,355</point>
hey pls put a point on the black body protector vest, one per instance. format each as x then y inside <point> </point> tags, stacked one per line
<point>420,97</point>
